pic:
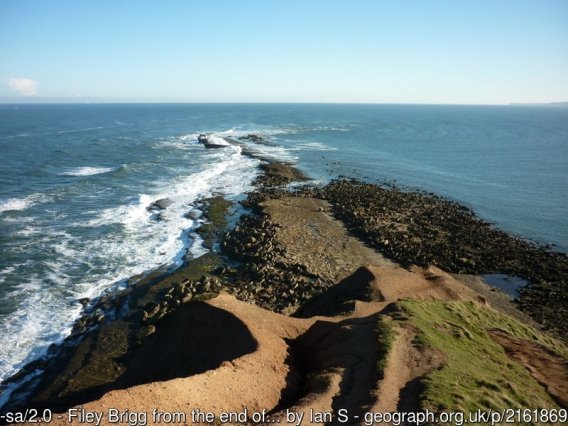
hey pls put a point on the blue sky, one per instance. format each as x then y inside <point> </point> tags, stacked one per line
<point>399,51</point>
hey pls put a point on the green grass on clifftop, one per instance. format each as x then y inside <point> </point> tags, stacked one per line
<point>477,374</point>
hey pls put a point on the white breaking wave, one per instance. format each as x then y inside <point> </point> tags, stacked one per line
<point>259,130</point>
<point>273,152</point>
<point>267,150</point>
<point>189,137</point>
<point>22,203</point>
<point>7,271</point>
<point>184,142</point>
<point>28,230</point>
<point>217,140</point>
<point>313,146</point>
<point>14,204</point>
<point>87,171</point>
<point>328,129</point>
<point>86,129</point>
<point>42,318</point>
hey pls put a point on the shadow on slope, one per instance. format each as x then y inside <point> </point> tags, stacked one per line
<point>195,338</point>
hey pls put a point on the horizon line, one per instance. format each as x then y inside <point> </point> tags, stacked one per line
<point>57,101</point>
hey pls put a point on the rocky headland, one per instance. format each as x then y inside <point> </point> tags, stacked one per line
<point>349,296</point>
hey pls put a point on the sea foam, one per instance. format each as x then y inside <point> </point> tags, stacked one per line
<point>22,203</point>
<point>87,171</point>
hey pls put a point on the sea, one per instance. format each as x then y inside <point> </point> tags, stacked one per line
<point>77,183</point>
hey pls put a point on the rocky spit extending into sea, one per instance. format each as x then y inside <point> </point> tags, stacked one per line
<point>350,296</point>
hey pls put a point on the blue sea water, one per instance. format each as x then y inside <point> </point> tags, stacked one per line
<point>76,181</point>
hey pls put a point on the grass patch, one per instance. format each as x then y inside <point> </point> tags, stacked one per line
<point>478,374</point>
<point>385,337</point>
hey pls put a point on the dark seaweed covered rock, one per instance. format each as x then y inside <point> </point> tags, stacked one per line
<point>254,137</point>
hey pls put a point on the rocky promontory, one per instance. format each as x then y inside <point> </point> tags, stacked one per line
<point>348,296</point>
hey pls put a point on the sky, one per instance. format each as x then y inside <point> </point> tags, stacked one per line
<point>399,51</point>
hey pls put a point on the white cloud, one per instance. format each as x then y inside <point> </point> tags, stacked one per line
<point>23,86</point>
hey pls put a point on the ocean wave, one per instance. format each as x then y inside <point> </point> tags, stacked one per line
<point>313,146</point>
<point>59,132</point>
<point>87,171</point>
<point>275,152</point>
<point>23,203</point>
<point>263,131</point>
<point>148,237</point>
<point>267,150</point>
<point>19,219</point>
<point>47,299</point>
<point>188,137</point>
<point>86,129</point>
<point>7,271</point>
<point>34,326</point>
<point>178,142</point>
<point>327,129</point>
<point>27,231</point>
<point>20,135</point>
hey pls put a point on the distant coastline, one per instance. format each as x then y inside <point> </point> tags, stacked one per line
<point>545,104</point>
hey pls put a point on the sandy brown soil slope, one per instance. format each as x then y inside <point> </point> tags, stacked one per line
<point>254,380</point>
